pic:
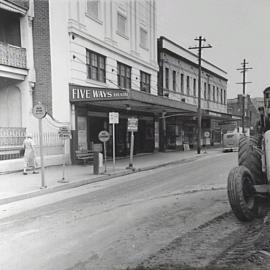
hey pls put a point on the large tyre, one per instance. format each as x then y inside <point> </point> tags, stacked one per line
<point>241,193</point>
<point>250,157</point>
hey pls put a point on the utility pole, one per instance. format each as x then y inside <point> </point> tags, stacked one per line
<point>199,113</point>
<point>243,70</point>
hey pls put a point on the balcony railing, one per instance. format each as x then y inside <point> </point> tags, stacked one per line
<point>12,55</point>
<point>11,141</point>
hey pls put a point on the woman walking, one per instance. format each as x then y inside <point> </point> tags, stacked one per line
<point>29,155</point>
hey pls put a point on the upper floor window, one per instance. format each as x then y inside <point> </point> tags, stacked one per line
<point>166,78</point>
<point>205,91</point>
<point>218,95</point>
<point>145,82</point>
<point>221,96</point>
<point>143,38</point>
<point>121,24</point>
<point>209,91</point>
<point>182,82</point>
<point>174,80</point>
<point>225,97</point>
<point>96,66</point>
<point>93,8</point>
<point>214,93</point>
<point>124,75</point>
<point>194,87</point>
<point>188,86</point>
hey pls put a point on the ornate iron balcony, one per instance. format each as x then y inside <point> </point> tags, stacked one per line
<point>12,56</point>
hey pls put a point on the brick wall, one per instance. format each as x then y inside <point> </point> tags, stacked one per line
<point>42,57</point>
<point>21,3</point>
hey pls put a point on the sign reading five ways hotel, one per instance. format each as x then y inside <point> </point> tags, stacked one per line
<point>80,93</point>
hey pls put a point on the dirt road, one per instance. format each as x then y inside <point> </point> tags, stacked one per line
<point>176,215</point>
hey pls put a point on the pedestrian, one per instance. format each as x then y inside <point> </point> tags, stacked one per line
<point>29,155</point>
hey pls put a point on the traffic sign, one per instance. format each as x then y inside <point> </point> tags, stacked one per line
<point>206,134</point>
<point>104,136</point>
<point>39,111</point>
<point>133,124</point>
<point>64,133</point>
<point>113,118</point>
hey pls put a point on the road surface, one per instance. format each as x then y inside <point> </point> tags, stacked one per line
<point>117,223</point>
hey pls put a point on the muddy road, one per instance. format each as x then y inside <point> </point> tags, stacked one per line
<point>174,216</point>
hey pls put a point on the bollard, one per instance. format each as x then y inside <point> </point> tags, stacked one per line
<point>96,163</point>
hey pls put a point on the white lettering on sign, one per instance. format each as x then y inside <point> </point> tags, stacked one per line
<point>133,124</point>
<point>81,93</point>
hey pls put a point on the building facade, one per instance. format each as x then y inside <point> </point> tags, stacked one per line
<point>101,58</point>
<point>178,80</point>
<point>17,76</point>
<point>235,107</point>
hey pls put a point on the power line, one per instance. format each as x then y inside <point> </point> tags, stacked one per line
<point>199,48</point>
<point>243,70</point>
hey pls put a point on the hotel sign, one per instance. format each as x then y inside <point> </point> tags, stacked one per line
<point>80,93</point>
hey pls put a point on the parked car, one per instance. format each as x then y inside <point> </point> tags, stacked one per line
<point>231,141</point>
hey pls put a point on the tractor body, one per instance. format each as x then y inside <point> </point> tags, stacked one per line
<point>249,183</point>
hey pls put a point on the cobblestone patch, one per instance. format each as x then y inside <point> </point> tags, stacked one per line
<point>220,244</point>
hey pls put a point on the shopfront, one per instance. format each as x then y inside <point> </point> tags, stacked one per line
<point>91,107</point>
<point>181,130</point>
<point>91,120</point>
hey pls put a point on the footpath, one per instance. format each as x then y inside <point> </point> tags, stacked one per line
<point>16,186</point>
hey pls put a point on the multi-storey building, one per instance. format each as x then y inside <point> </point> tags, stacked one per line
<point>93,57</point>
<point>178,80</point>
<point>17,76</point>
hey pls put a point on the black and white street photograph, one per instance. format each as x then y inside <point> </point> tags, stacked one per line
<point>134,135</point>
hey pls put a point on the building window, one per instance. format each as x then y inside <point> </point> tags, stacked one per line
<point>174,80</point>
<point>188,93</point>
<point>182,83</point>
<point>218,95</point>
<point>221,96</point>
<point>166,78</point>
<point>93,8</point>
<point>209,91</point>
<point>214,93</point>
<point>96,66</point>
<point>205,91</point>
<point>143,38</point>
<point>145,82</point>
<point>225,97</point>
<point>122,24</point>
<point>124,75</point>
<point>194,87</point>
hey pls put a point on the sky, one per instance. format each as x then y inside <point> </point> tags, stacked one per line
<point>237,30</point>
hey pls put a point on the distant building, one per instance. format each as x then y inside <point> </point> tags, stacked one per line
<point>258,102</point>
<point>235,107</point>
<point>178,80</point>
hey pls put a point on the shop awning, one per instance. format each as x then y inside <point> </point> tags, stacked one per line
<point>217,115</point>
<point>127,100</point>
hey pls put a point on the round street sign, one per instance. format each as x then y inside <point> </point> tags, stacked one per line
<point>104,136</point>
<point>206,134</point>
<point>39,111</point>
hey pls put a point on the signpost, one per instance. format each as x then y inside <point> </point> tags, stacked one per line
<point>104,136</point>
<point>39,112</point>
<point>113,119</point>
<point>132,127</point>
<point>64,134</point>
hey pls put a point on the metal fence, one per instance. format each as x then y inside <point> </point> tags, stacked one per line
<point>11,142</point>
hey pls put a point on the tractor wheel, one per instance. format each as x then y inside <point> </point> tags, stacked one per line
<point>250,157</point>
<point>241,193</point>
